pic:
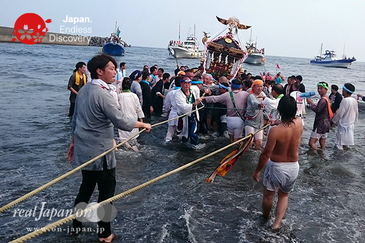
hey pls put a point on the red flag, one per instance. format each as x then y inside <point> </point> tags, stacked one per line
<point>228,162</point>
<point>277,65</point>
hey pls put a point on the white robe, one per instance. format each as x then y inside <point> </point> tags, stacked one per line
<point>346,116</point>
<point>184,107</point>
<point>170,105</point>
<point>130,106</point>
<point>271,107</point>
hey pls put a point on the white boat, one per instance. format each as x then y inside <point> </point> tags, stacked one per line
<point>328,59</point>
<point>254,55</point>
<point>186,49</point>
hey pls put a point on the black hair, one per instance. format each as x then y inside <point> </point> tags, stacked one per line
<point>121,64</point>
<point>247,83</point>
<point>79,65</point>
<point>145,75</point>
<point>145,70</point>
<point>152,69</point>
<point>161,69</point>
<point>177,81</point>
<point>126,83</point>
<point>299,77</point>
<point>278,88</point>
<point>197,78</point>
<point>287,109</point>
<point>99,62</point>
<point>296,86</point>
<point>236,82</point>
<point>165,76</point>
<point>349,87</point>
<point>334,86</point>
<point>176,71</point>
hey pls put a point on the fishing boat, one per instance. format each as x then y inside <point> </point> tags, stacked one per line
<point>254,55</point>
<point>114,45</point>
<point>186,49</point>
<point>224,54</point>
<point>328,59</point>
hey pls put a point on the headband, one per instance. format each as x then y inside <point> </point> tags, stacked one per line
<point>347,90</point>
<point>196,82</point>
<point>323,85</point>
<point>235,86</point>
<point>224,87</point>
<point>257,81</point>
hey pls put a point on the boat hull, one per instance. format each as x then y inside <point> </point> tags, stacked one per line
<point>342,63</point>
<point>255,58</point>
<point>183,52</point>
<point>113,49</point>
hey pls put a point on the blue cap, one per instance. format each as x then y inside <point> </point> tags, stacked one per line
<point>135,75</point>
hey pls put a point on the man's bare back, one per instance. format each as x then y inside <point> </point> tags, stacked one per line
<point>284,141</point>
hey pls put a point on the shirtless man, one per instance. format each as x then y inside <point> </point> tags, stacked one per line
<point>281,156</point>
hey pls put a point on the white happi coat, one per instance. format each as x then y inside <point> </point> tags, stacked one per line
<point>184,107</point>
<point>170,105</point>
<point>346,116</point>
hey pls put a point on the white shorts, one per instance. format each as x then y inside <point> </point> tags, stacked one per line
<point>318,135</point>
<point>235,126</point>
<point>258,136</point>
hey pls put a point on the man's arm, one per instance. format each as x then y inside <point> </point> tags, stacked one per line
<point>71,82</point>
<point>265,154</point>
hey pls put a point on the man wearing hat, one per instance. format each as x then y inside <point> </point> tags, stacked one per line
<point>345,117</point>
<point>187,101</point>
<point>136,78</point>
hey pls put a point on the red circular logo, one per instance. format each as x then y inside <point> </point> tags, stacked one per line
<point>30,28</point>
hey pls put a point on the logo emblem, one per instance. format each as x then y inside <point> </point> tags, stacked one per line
<point>30,28</point>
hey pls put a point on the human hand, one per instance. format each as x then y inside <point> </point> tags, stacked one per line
<point>151,109</point>
<point>207,91</point>
<point>309,101</point>
<point>256,175</point>
<point>147,126</point>
<point>70,153</point>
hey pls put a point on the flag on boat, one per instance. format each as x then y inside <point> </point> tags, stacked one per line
<point>228,162</point>
<point>277,65</point>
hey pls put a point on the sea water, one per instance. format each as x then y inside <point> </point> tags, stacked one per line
<point>326,205</point>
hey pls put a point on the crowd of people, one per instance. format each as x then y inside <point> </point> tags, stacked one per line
<point>196,104</point>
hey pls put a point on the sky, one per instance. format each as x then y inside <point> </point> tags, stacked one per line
<point>290,28</point>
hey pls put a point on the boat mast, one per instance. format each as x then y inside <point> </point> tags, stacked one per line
<point>321,49</point>
<point>179,32</point>
<point>194,31</point>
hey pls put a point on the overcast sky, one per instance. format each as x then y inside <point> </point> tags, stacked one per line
<point>292,28</point>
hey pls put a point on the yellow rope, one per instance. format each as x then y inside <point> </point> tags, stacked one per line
<point>123,194</point>
<point>15,202</point>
